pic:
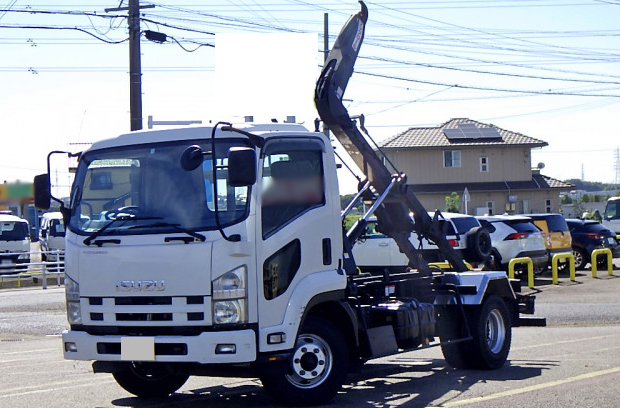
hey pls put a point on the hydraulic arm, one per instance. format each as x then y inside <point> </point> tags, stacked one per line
<point>393,212</point>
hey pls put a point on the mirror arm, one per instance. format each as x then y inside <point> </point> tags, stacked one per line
<point>69,154</point>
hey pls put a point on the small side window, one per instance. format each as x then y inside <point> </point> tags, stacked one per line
<point>280,269</point>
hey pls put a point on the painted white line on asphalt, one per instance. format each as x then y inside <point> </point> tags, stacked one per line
<point>21,391</point>
<point>588,339</point>
<point>27,351</point>
<point>531,388</point>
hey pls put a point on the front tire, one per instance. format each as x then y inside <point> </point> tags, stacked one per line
<point>317,369</point>
<point>149,380</point>
<point>491,336</point>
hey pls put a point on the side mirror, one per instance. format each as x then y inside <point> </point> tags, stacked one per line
<point>191,158</point>
<point>42,194</point>
<point>241,167</point>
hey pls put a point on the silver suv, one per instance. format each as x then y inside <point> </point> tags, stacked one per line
<point>375,251</point>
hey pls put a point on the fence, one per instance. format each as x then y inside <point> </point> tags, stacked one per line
<point>34,269</point>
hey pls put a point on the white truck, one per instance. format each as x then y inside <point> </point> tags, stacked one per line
<point>220,251</point>
<point>611,216</point>
<point>14,243</point>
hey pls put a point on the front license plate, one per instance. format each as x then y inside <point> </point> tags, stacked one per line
<point>138,348</point>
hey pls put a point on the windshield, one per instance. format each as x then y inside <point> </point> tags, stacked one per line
<point>612,210</point>
<point>13,231</point>
<point>143,189</point>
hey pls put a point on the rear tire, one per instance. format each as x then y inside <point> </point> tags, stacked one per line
<point>491,331</point>
<point>149,380</point>
<point>317,369</point>
<point>581,259</point>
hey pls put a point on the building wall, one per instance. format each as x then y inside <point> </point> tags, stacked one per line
<point>427,166</point>
<point>517,202</point>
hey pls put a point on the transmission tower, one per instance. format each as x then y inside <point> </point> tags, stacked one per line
<point>617,164</point>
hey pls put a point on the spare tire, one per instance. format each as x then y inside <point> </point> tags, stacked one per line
<point>479,245</point>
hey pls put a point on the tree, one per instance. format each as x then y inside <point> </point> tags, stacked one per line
<point>453,203</point>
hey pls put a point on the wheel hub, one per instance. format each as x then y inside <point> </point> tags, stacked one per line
<point>309,361</point>
<point>495,331</point>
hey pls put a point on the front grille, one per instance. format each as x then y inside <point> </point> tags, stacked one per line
<point>163,349</point>
<point>144,317</point>
<point>146,310</point>
<point>142,301</point>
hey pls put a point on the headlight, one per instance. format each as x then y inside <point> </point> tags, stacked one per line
<point>72,297</point>
<point>231,285</point>
<point>229,297</point>
<point>229,311</point>
<point>24,256</point>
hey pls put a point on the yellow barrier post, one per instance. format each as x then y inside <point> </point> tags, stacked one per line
<point>554,265</point>
<point>593,260</point>
<point>530,269</point>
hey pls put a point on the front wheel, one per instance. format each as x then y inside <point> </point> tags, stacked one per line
<point>317,369</point>
<point>491,333</point>
<point>149,380</point>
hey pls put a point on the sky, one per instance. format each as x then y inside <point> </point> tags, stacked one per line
<point>549,69</point>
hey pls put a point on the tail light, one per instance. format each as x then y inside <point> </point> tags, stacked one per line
<point>592,235</point>
<point>453,242</point>
<point>516,235</point>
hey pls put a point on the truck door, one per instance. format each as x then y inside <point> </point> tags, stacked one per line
<point>296,222</point>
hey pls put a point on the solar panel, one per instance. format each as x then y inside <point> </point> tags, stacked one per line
<point>471,131</point>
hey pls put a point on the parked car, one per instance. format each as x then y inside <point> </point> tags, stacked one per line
<point>588,235</point>
<point>14,243</point>
<point>556,234</point>
<point>515,237</point>
<point>375,251</point>
<point>52,236</point>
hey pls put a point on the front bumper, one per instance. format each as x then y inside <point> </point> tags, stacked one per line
<point>190,349</point>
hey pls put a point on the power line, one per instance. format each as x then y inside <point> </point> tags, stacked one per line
<point>481,88</point>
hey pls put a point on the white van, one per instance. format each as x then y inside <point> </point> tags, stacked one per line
<point>14,243</point>
<point>52,236</point>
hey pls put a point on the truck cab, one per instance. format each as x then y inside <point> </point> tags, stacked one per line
<point>611,216</point>
<point>14,243</point>
<point>52,237</point>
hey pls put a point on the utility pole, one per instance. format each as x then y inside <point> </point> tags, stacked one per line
<point>135,66</point>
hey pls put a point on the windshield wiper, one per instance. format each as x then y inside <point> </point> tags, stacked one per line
<point>101,230</point>
<point>176,227</point>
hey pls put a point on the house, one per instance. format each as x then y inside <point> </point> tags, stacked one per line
<point>493,164</point>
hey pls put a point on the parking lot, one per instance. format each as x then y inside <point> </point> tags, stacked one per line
<point>572,362</point>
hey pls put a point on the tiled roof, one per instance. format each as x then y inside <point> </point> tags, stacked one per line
<point>538,182</point>
<point>431,137</point>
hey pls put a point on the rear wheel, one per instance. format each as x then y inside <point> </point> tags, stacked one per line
<point>581,259</point>
<point>149,380</point>
<point>491,336</point>
<point>317,369</point>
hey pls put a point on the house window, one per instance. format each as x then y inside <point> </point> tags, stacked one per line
<point>548,206</point>
<point>101,181</point>
<point>484,164</point>
<point>490,208</point>
<point>452,158</point>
